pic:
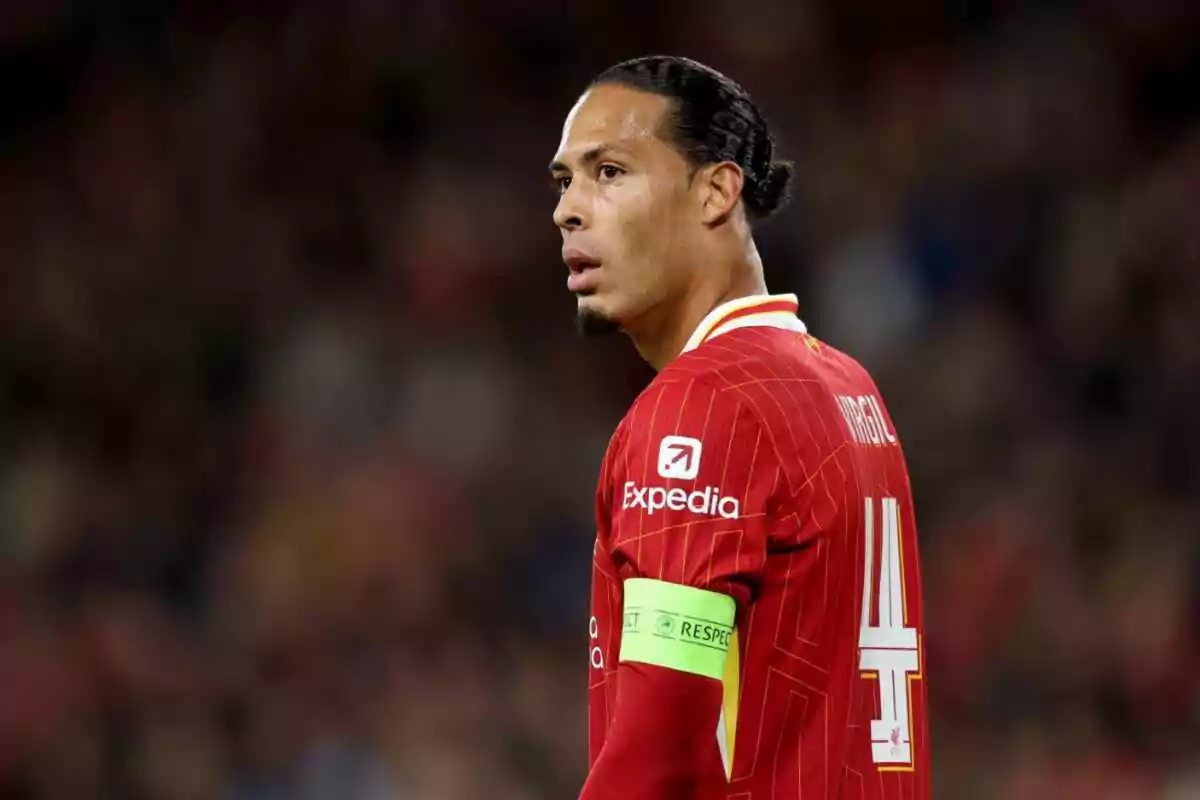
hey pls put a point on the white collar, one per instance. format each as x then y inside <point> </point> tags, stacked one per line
<point>759,310</point>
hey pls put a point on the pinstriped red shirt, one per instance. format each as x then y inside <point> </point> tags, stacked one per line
<point>763,464</point>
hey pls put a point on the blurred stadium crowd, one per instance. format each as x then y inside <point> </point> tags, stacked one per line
<point>297,446</point>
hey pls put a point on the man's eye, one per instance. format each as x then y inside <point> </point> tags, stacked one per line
<point>609,172</point>
<point>562,184</point>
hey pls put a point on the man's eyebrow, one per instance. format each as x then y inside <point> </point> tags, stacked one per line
<point>589,157</point>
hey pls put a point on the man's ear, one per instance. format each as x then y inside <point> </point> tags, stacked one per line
<point>720,187</point>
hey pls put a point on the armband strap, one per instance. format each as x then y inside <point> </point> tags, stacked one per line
<point>677,627</point>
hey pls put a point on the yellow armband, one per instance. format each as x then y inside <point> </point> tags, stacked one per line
<point>677,627</point>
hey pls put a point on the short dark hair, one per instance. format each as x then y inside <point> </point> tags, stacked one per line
<point>712,119</point>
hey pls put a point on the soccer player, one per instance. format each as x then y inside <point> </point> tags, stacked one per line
<point>756,625</point>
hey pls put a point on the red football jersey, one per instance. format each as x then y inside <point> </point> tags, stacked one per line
<point>762,464</point>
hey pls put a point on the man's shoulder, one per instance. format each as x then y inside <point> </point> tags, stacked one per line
<point>751,362</point>
<point>765,378</point>
<point>784,380</point>
<point>717,378</point>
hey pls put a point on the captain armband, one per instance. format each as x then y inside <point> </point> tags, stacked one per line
<point>677,627</point>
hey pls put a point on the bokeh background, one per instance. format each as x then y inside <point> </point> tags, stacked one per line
<point>297,445</point>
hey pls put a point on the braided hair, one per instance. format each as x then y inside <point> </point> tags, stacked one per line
<point>712,119</point>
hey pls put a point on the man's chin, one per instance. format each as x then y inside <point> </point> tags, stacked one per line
<point>592,321</point>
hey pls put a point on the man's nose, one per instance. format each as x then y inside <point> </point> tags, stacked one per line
<point>569,214</point>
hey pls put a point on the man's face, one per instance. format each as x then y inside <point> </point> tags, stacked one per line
<point>624,208</point>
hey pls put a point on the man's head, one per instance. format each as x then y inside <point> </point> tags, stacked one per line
<point>661,158</point>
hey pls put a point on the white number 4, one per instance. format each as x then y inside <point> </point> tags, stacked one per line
<point>888,649</point>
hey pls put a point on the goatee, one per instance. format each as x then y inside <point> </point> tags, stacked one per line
<point>594,323</point>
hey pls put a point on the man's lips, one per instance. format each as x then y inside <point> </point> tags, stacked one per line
<point>584,282</point>
<point>585,270</point>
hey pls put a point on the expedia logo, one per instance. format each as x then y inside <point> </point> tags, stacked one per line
<point>708,501</point>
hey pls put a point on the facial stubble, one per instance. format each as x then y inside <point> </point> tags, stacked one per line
<point>592,323</point>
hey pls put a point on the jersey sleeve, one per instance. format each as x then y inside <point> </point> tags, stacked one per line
<point>692,489</point>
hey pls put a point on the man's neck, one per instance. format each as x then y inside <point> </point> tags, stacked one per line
<point>661,343</point>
